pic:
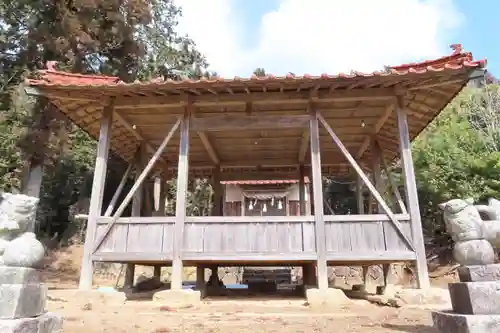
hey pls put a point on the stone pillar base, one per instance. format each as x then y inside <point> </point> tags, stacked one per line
<point>328,297</point>
<point>178,297</point>
<point>46,323</point>
<point>447,322</point>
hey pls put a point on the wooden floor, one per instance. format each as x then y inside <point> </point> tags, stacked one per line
<point>247,240</point>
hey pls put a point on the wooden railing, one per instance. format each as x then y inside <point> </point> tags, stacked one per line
<point>253,238</point>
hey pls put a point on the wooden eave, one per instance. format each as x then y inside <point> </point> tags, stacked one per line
<point>357,107</point>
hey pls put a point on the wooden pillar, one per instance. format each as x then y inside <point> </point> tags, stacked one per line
<point>96,197</point>
<point>317,183</point>
<point>200,279</point>
<point>137,203</point>
<point>180,209</point>
<point>302,190</point>
<point>157,271</point>
<point>412,196</point>
<point>218,193</point>
<point>360,198</point>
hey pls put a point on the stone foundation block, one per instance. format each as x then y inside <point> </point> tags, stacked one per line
<point>19,301</point>
<point>19,275</point>
<point>328,297</point>
<point>46,323</point>
<point>475,273</point>
<point>178,297</point>
<point>447,322</point>
<point>475,297</point>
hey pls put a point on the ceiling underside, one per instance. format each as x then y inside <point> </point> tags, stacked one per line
<point>357,109</point>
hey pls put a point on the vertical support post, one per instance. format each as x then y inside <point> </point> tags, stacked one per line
<point>360,198</point>
<point>302,190</point>
<point>412,196</point>
<point>137,201</point>
<point>180,209</point>
<point>218,191</point>
<point>96,198</point>
<point>157,271</point>
<point>317,183</point>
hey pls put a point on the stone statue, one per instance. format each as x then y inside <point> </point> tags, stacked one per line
<point>18,244</point>
<point>474,237</point>
<point>23,296</point>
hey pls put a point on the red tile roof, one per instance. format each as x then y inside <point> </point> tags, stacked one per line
<point>457,60</point>
<point>263,182</point>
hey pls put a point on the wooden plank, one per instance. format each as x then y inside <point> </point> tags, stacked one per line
<point>252,219</point>
<point>379,232</point>
<point>367,182</point>
<point>242,257</point>
<point>145,238</point>
<point>317,183</point>
<point>412,196</point>
<point>372,256</point>
<point>137,184</point>
<point>232,122</point>
<point>116,240</point>
<point>180,209</point>
<point>96,197</point>
<point>209,147</point>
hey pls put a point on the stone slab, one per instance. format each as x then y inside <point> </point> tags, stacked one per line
<point>328,297</point>
<point>22,300</point>
<point>447,322</point>
<point>19,275</point>
<point>476,273</point>
<point>178,297</point>
<point>475,297</point>
<point>46,323</point>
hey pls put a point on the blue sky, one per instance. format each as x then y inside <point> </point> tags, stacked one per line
<point>318,36</point>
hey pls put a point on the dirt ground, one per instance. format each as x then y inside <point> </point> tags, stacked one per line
<point>224,315</point>
<point>231,316</point>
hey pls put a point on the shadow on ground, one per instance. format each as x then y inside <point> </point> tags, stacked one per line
<point>410,328</point>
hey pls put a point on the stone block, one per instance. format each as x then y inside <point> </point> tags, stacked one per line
<point>474,273</point>
<point>178,297</point>
<point>447,322</point>
<point>475,297</point>
<point>19,301</point>
<point>19,275</point>
<point>329,297</point>
<point>46,323</point>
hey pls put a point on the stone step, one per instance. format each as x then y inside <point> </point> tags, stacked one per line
<point>22,300</point>
<point>475,297</point>
<point>447,322</point>
<point>19,275</point>
<point>46,323</point>
<point>476,273</point>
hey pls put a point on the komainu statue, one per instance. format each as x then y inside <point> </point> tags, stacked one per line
<point>18,244</point>
<point>474,237</point>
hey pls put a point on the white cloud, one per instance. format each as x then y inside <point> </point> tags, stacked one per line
<point>321,36</point>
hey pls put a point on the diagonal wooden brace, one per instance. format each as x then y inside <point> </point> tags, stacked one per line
<point>137,184</point>
<point>367,182</point>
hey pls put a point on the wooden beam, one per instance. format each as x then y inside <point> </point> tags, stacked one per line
<point>118,191</point>
<point>96,197</point>
<point>392,183</point>
<point>412,196</point>
<point>180,204</point>
<point>367,182</point>
<point>233,122</point>
<point>304,143</point>
<point>137,184</point>
<point>221,99</point>
<point>209,147</point>
<point>317,182</point>
<point>378,126</point>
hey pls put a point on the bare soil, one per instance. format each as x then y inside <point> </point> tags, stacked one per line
<point>224,315</point>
